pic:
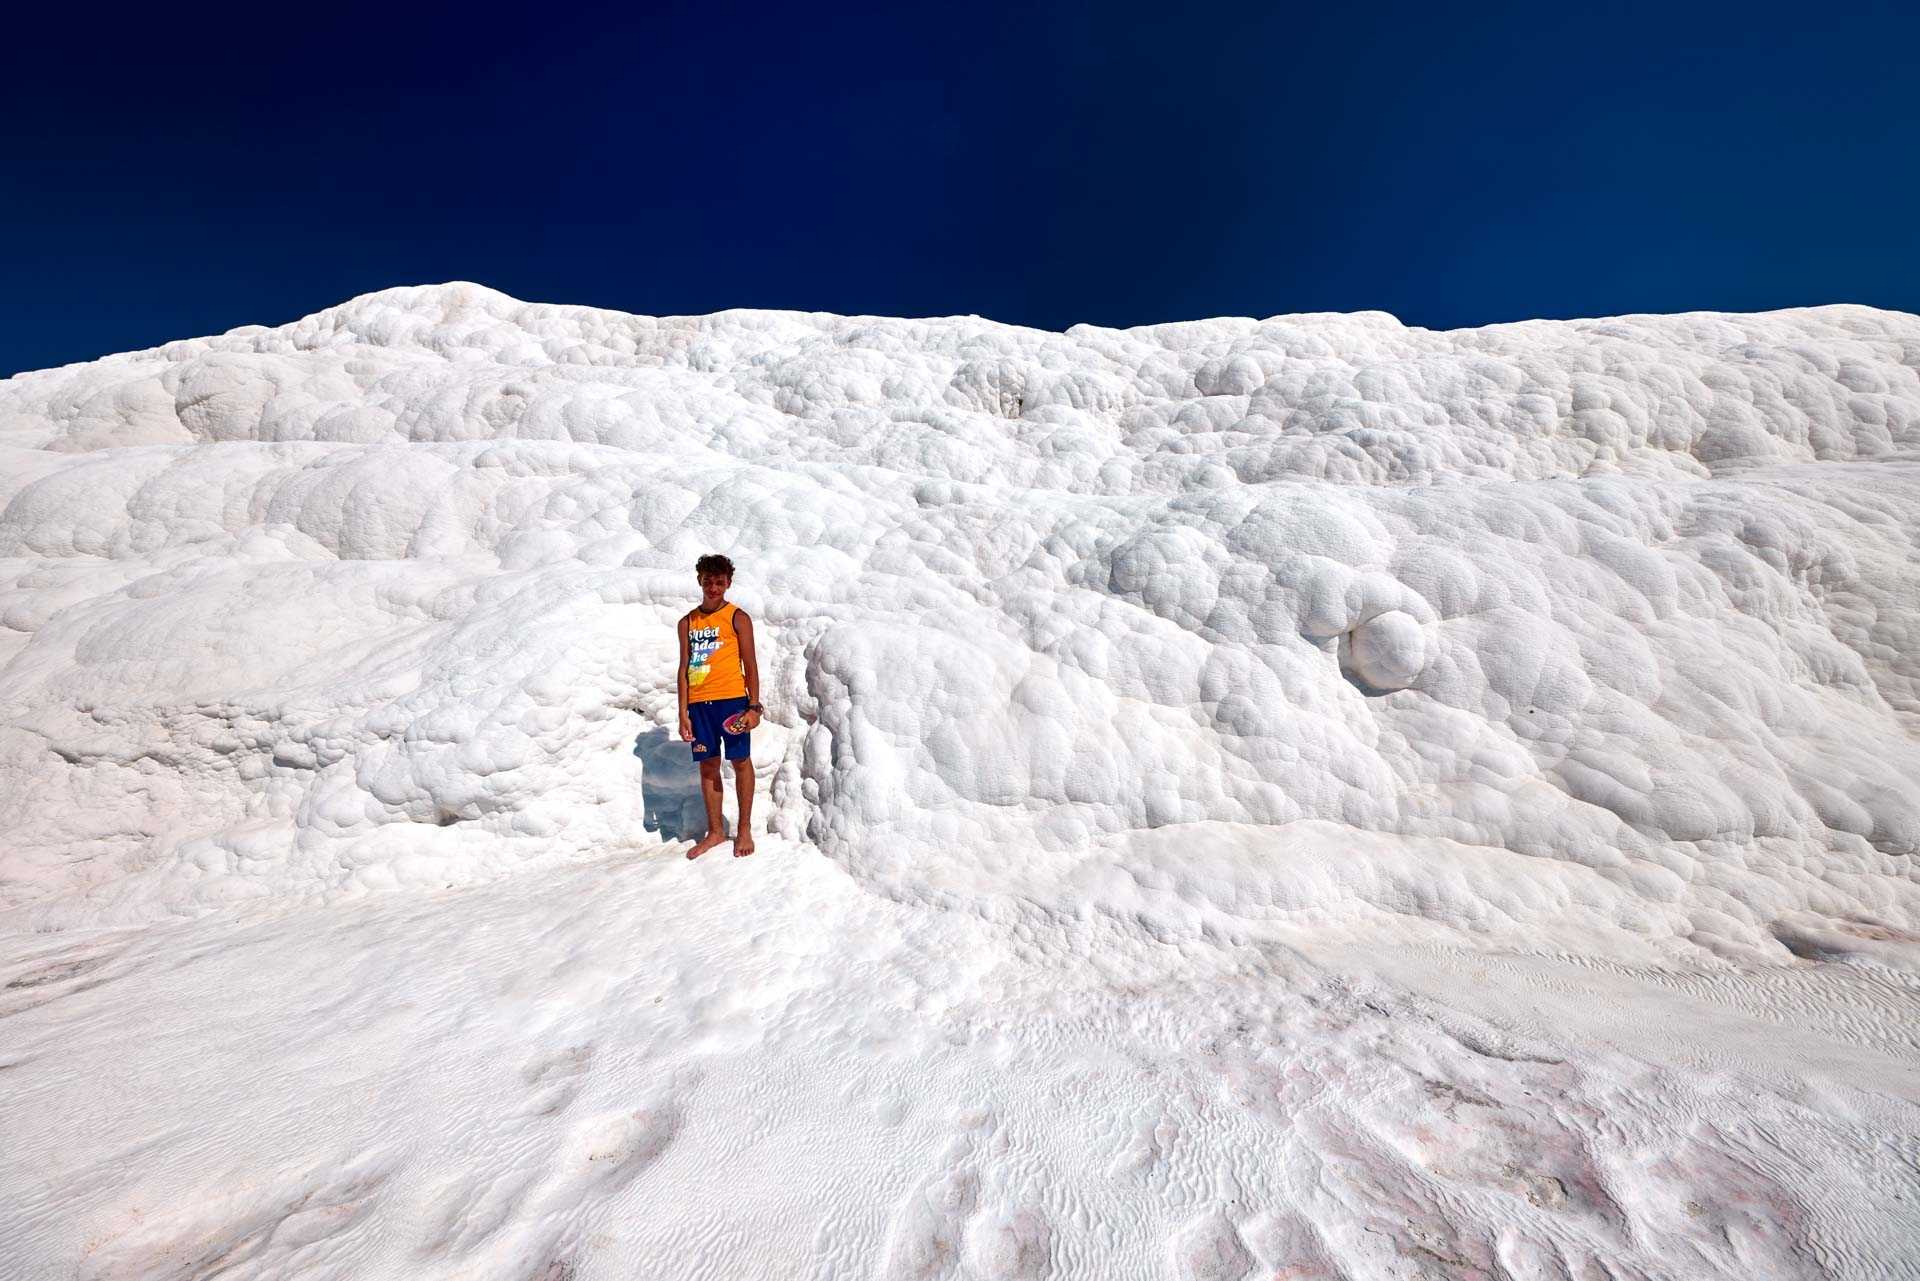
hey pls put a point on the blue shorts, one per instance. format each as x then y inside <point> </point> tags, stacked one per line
<point>707,738</point>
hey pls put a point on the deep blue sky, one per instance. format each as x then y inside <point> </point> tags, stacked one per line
<point>203,167</point>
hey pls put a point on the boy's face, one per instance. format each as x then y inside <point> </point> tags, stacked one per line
<point>713,589</point>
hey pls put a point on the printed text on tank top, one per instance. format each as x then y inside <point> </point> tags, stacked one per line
<point>713,657</point>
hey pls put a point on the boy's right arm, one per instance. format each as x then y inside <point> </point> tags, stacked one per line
<point>686,718</point>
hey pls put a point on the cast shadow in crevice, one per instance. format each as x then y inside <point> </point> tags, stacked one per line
<point>669,787</point>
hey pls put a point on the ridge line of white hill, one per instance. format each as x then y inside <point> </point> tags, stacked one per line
<point>1567,635</point>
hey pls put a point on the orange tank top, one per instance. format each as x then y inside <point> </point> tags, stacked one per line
<point>713,657</point>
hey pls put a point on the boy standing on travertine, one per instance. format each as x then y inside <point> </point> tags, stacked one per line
<point>719,700</point>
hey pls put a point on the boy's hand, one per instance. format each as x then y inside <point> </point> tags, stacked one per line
<point>686,729</point>
<point>753,721</point>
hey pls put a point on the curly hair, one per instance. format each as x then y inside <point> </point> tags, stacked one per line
<point>713,564</point>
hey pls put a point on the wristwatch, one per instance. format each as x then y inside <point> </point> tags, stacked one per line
<point>755,707</point>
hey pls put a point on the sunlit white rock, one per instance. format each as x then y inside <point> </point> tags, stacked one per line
<point>1388,650</point>
<point>1113,676</point>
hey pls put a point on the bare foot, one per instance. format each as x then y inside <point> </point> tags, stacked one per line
<point>707,842</point>
<point>742,846</point>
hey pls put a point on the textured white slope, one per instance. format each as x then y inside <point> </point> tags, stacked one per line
<point>753,1068</point>
<point>1255,647</point>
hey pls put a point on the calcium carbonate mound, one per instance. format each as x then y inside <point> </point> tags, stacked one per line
<point>1599,632</point>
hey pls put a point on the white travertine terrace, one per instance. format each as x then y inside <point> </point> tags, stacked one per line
<point>1290,708</point>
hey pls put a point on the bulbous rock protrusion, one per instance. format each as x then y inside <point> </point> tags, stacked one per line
<point>1238,375</point>
<point>1387,651</point>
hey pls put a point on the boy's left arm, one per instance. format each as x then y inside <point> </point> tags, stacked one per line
<point>743,628</point>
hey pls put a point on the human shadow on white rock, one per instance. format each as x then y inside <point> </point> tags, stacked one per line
<point>669,787</point>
